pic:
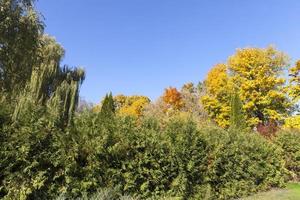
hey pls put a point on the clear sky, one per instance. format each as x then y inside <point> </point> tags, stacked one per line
<point>143,46</point>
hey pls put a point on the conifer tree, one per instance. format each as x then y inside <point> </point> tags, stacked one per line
<point>108,107</point>
<point>237,119</point>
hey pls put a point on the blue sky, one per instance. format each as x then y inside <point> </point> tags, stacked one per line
<point>143,46</point>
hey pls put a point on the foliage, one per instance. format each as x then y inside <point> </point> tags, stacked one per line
<point>47,150</point>
<point>216,101</point>
<point>241,164</point>
<point>257,74</point>
<point>131,105</point>
<point>294,87</point>
<point>190,105</point>
<point>20,31</point>
<point>33,160</point>
<point>237,120</point>
<point>172,97</point>
<point>292,122</point>
<point>289,141</point>
<point>108,108</point>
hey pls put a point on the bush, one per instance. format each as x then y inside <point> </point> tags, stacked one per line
<point>32,161</point>
<point>289,141</point>
<point>241,163</point>
<point>142,159</point>
<point>138,157</point>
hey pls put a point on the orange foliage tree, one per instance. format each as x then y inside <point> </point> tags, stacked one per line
<point>173,98</point>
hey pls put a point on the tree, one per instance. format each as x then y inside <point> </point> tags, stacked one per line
<point>190,98</point>
<point>294,87</point>
<point>131,105</point>
<point>20,31</point>
<point>237,119</point>
<point>258,73</point>
<point>51,85</point>
<point>216,100</point>
<point>173,98</point>
<point>108,108</point>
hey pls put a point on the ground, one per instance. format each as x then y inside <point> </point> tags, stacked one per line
<point>292,192</point>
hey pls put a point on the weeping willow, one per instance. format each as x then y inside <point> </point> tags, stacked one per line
<point>51,86</point>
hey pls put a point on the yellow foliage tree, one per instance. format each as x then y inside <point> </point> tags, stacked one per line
<point>294,87</point>
<point>131,105</point>
<point>256,73</point>
<point>292,122</point>
<point>217,99</point>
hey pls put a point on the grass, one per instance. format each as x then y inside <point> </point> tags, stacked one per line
<point>292,192</point>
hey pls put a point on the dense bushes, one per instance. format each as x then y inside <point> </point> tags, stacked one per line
<point>139,157</point>
<point>242,163</point>
<point>289,141</point>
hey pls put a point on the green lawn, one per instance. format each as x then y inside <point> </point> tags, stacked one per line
<point>292,192</point>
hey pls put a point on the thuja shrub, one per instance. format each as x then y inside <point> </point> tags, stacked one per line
<point>241,163</point>
<point>32,162</point>
<point>289,141</point>
<point>142,158</point>
<point>150,161</point>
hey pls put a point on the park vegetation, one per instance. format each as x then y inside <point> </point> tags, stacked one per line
<point>232,135</point>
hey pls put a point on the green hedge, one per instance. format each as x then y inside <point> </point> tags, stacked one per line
<point>241,164</point>
<point>140,158</point>
<point>289,141</point>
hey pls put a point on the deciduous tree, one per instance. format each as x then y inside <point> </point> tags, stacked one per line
<point>216,101</point>
<point>173,98</point>
<point>131,105</point>
<point>258,73</point>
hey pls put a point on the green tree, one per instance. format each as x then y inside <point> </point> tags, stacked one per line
<point>108,108</point>
<point>237,119</point>
<point>20,31</point>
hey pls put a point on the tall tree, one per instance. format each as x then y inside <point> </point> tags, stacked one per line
<point>237,117</point>
<point>258,73</point>
<point>20,31</point>
<point>294,87</point>
<point>30,72</point>
<point>216,100</point>
<point>108,108</point>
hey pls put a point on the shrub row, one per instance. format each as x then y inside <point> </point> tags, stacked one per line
<point>289,141</point>
<point>140,158</point>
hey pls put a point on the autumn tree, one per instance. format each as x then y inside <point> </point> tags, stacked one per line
<point>258,73</point>
<point>173,98</point>
<point>294,87</point>
<point>216,100</point>
<point>131,105</point>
